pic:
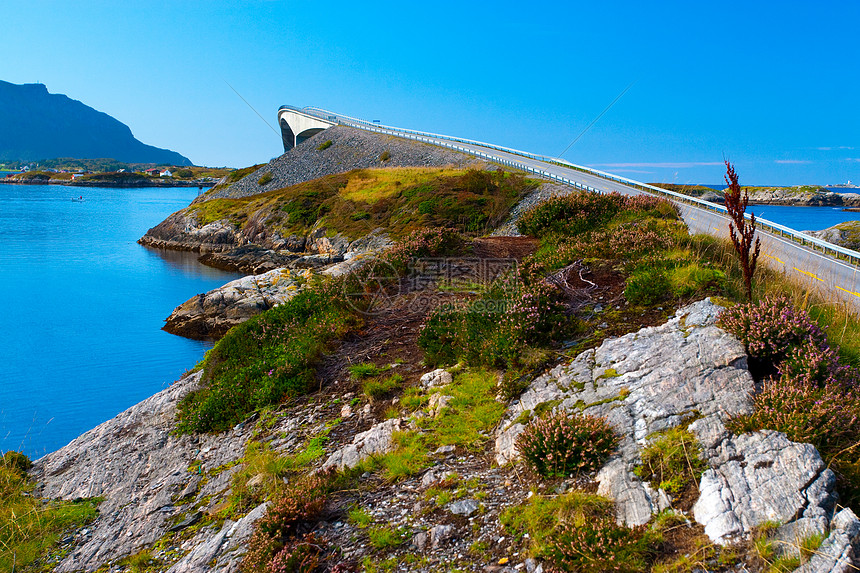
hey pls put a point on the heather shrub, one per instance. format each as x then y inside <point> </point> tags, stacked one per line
<point>280,544</point>
<point>571,214</point>
<point>599,544</point>
<point>424,243</point>
<point>564,444</point>
<point>770,328</point>
<point>827,417</point>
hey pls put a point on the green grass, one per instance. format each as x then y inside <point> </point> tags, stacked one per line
<point>31,527</point>
<point>397,199</point>
<point>377,388</point>
<point>360,517</point>
<point>364,370</point>
<point>672,460</point>
<point>473,413</point>
<point>384,537</point>
<point>266,359</point>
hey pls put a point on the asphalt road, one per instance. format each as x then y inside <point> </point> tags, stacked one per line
<point>835,279</point>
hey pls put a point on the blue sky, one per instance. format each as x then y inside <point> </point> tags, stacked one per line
<point>772,86</point>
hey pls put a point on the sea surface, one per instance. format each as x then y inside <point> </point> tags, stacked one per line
<point>83,306</point>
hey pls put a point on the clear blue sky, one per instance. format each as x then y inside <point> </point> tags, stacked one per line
<point>773,86</point>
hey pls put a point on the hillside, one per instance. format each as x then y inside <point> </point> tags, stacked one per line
<point>36,125</point>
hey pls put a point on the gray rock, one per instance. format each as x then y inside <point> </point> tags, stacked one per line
<point>377,440</point>
<point>643,383</point>
<point>212,314</point>
<point>441,534</point>
<point>839,551</point>
<point>420,541</point>
<point>135,463</point>
<point>762,477</point>
<point>464,507</point>
<point>436,378</point>
<point>438,403</point>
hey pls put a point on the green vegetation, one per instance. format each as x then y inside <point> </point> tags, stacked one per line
<point>266,178</point>
<point>672,461</point>
<point>377,388</point>
<point>562,445</point>
<point>31,527</point>
<point>360,517</point>
<point>399,199</point>
<point>577,532</point>
<point>266,359</point>
<point>385,537</point>
<point>385,156</point>
<point>324,145</point>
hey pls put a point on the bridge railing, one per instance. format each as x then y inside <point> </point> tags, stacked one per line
<point>827,248</point>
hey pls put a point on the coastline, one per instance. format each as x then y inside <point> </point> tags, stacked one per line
<point>109,184</point>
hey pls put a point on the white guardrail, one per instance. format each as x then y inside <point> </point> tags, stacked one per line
<point>438,139</point>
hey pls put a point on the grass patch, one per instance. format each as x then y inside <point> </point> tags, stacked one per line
<point>473,412</point>
<point>31,527</point>
<point>672,461</point>
<point>324,145</point>
<point>360,517</point>
<point>377,388</point>
<point>266,359</point>
<point>384,537</point>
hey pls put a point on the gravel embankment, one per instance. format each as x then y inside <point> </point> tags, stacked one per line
<point>350,149</point>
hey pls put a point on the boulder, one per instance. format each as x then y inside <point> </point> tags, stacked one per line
<point>375,441</point>
<point>212,314</point>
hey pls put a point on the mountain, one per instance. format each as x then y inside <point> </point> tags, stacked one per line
<point>35,125</point>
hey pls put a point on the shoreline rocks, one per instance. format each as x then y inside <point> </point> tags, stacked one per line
<point>212,314</point>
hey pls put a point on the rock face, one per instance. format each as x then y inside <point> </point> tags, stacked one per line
<point>656,378</point>
<point>844,234</point>
<point>642,383</point>
<point>375,441</point>
<point>212,314</point>
<point>140,470</point>
<point>760,477</point>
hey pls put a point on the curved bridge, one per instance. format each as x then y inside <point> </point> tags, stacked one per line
<point>824,266</point>
<point>298,125</point>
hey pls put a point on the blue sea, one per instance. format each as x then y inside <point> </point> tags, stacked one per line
<point>83,306</point>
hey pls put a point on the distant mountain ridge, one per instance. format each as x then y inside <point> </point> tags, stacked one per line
<point>36,125</point>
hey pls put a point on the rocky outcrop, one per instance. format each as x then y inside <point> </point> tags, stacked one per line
<point>212,314</point>
<point>350,149</point>
<point>659,377</point>
<point>761,477</point>
<point>844,234</point>
<point>142,471</point>
<point>802,197</point>
<point>373,442</point>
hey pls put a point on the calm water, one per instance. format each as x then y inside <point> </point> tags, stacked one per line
<point>83,305</point>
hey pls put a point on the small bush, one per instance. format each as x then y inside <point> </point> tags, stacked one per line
<point>266,178</point>
<point>385,156</point>
<point>672,461</point>
<point>570,215</point>
<point>359,216</point>
<point>599,545</point>
<point>324,145</point>
<point>647,287</point>
<point>566,444</point>
<point>16,461</point>
<point>771,327</point>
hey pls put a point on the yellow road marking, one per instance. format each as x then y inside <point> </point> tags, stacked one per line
<point>777,259</point>
<point>848,291</point>
<point>808,274</point>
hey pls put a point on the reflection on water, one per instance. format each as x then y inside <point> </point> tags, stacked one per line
<point>185,262</point>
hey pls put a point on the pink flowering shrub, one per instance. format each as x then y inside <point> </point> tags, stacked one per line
<point>281,543</point>
<point>563,444</point>
<point>571,214</point>
<point>770,328</point>
<point>598,544</point>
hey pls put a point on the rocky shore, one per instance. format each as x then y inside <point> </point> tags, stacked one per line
<point>158,488</point>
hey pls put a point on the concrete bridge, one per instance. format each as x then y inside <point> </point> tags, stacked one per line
<point>298,125</point>
<point>828,268</point>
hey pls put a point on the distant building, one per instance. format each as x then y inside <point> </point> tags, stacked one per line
<point>152,171</point>
<point>166,173</point>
